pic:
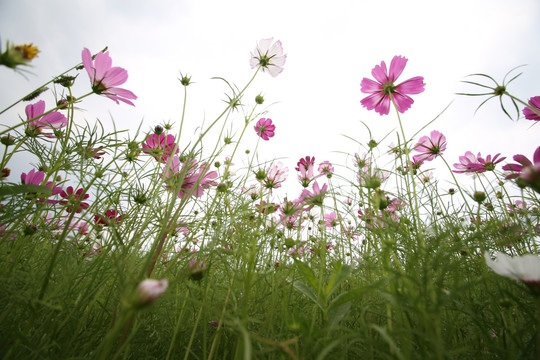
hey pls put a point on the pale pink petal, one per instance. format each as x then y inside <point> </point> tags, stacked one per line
<point>102,64</point>
<point>88,65</point>
<point>35,110</point>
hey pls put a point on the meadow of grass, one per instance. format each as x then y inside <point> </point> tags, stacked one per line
<point>137,246</point>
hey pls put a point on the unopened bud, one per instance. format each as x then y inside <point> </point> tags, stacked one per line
<point>149,290</point>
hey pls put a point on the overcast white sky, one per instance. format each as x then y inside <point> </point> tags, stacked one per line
<point>330,47</point>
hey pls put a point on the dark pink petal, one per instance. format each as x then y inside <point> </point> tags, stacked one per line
<point>536,156</point>
<point>522,159</point>
<point>380,73</point>
<point>403,102</point>
<point>412,86</point>
<point>371,101</point>
<point>529,114</point>
<point>369,86</point>
<point>396,67</point>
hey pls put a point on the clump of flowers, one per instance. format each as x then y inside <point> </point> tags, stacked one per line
<point>265,129</point>
<point>105,78</point>
<point>469,163</point>
<point>269,56</point>
<point>383,91</point>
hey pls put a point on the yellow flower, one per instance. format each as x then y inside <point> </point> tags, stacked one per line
<point>16,55</point>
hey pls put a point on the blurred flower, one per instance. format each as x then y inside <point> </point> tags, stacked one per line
<point>196,269</point>
<point>330,220</point>
<point>276,175</point>
<point>105,78</point>
<point>160,146</point>
<point>110,217</point>
<point>191,178</point>
<point>383,91</point>
<point>316,197</point>
<point>16,55</point>
<point>51,121</point>
<point>469,163</point>
<point>269,56</point>
<point>73,200</point>
<point>326,168</point>
<point>429,147</point>
<point>34,177</point>
<point>524,268</point>
<point>534,102</point>
<point>265,128</point>
<point>149,290</point>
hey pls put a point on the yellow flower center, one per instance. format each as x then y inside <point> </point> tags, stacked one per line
<point>28,51</point>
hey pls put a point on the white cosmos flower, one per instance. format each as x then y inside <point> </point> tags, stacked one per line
<point>524,268</point>
<point>269,56</point>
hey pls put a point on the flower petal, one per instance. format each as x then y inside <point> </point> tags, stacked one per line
<point>396,67</point>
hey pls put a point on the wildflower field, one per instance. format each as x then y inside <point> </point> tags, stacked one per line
<point>164,244</point>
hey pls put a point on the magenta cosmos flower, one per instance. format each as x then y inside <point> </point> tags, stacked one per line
<point>269,56</point>
<point>49,122</point>
<point>265,128</point>
<point>34,177</point>
<point>105,78</point>
<point>469,163</point>
<point>534,102</point>
<point>526,172</point>
<point>429,147</point>
<point>73,199</point>
<point>161,146</point>
<point>383,91</point>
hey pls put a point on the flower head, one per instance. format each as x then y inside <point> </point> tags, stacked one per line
<point>110,217</point>
<point>269,56</point>
<point>265,128</point>
<point>161,146</point>
<point>52,121</point>
<point>189,178</point>
<point>16,55</point>
<point>526,172</point>
<point>73,199</point>
<point>522,268</point>
<point>316,197</point>
<point>326,168</point>
<point>534,102</point>
<point>149,290</point>
<point>105,78</point>
<point>384,91</point>
<point>276,175</point>
<point>430,147</point>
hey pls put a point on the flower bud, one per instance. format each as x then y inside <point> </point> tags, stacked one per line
<point>479,196</point>
<point>4,173</point>
<point>7,140</point>
<point>149,290</point>
<point>158,130</point>
<point>259,99</point>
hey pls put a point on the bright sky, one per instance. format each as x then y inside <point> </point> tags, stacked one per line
<point>330,47</point>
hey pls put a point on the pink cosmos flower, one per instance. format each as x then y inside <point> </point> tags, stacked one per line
<point>265,128</point>
<point>276,176</point>
<point>110,217</point>
<point>105,78</point>
<point>191,177</point>
<point>52,121</point>
<point>149,290</point>
<point>430,147</point>
<point>534,102</point>
<point>383,91</point>
<point>527,173</point>
<point>73,199</point>
<point>468,163</point>
<point>330,220</point>
<point>269,56</point>
<point>160,146</point>
<point>316,197</point>
<point>305,170</point>
<point>326,168</point>
<point>36,178</point>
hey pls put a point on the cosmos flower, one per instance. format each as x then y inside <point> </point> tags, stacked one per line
<point>429,147</point>
<point>160,146</point>
<point>534,102</point>
<point>276,176</point>
<point>269,56</point>
<point>384,91</point>
<point>524,268</point>
<point>109,217</point>
<point>52,121</point>
<point>265,128</point>
<point>149,290</point>
<point>526,172</point>
<point>191,177</point>
<point>105,78</point>
<point>73,199</point>
<point>326,168</point>
<point>316,197</point>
